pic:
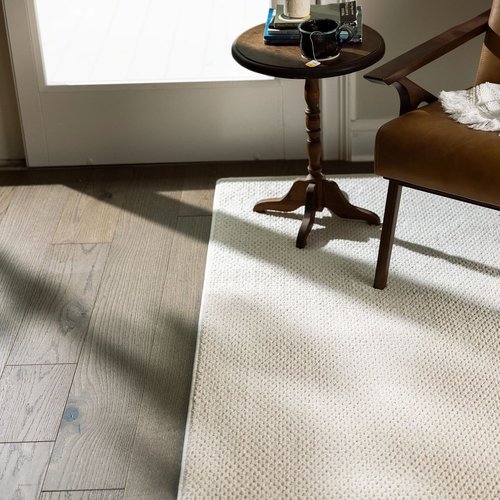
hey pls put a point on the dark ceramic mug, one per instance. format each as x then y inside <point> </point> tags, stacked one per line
<point>320,39</point>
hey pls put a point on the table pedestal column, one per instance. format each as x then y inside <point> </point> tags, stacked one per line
<point>314,192</point>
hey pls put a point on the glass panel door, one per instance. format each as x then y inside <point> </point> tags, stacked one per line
<point>142,81</point>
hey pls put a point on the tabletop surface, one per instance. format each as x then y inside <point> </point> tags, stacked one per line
<point>285,61</point>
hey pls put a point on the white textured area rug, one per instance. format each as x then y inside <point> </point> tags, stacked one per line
<point>309,383</point>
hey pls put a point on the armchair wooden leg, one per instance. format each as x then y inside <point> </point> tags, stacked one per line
<point>387,236</point>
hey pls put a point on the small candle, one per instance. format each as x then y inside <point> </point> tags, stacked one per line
<point>297,8</point>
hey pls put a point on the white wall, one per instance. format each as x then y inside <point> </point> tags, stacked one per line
<point>403,24</point>
<point>11,144</point>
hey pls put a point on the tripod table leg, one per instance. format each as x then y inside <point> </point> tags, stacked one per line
<point>309,215</point>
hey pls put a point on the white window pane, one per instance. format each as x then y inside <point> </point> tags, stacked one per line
<point>140,41</point>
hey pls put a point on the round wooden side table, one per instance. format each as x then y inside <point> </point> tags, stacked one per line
<point>314,191</point>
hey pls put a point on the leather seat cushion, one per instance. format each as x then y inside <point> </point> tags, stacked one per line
<point>427,148</point>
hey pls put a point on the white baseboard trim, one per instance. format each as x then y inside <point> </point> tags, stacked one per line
<point>363,137</point>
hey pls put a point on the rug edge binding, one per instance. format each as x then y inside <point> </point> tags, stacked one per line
<point>194,379</point>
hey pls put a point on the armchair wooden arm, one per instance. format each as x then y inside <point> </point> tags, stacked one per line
<point>395,71</point>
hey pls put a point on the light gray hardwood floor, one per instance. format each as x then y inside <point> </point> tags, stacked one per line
<point>101,275</point>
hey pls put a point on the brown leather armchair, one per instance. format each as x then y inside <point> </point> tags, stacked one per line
<point>425,149</point>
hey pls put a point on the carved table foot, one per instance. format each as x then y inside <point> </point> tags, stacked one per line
<point>335,200</point>
<point>309,215</point>
<point>314,195</point>
<point>294,199</point>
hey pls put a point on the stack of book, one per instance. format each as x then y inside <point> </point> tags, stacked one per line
<point>283,30</point>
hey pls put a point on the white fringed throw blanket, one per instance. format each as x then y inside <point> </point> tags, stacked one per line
<point>478,107</point>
